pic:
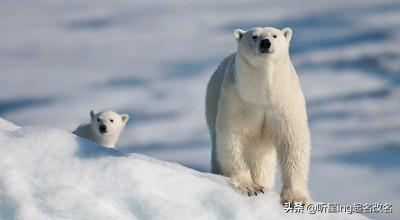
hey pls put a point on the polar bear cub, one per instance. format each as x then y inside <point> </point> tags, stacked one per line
<point>104,128</point>
<point>256,114</point>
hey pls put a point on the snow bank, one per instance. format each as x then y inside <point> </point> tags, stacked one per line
<point>48,173</point>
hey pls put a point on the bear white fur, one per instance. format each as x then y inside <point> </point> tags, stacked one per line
<point>256,114</point>
<point>104,128</point>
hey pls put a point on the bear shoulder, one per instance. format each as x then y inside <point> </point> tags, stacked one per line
<point>84,130</point>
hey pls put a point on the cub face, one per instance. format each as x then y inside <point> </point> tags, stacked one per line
<point>107,123</point>
<point>258,44</point>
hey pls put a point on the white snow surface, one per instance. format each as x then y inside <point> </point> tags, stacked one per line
<point>48,173</point>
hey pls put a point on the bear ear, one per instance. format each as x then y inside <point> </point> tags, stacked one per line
<point>238,34</point>
<point>287,32</point>
<point>92,113</point>
<point>124,117</point>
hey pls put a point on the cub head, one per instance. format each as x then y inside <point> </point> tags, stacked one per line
<point>108,123</point>
<point>263,43</point>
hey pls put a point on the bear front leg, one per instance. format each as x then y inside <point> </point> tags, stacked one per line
<point>232,164</point>
<point>262,163</point>
<point>294,156</point>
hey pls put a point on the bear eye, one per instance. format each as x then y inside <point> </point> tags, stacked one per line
<point>98,119</point>
<point>111,120</point>
<point>254,37</point>
<point>274,36</point>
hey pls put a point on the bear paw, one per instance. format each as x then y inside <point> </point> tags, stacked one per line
<point>292,197</point>
<point>248,188</point>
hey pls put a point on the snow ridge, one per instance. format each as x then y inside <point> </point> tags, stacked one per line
<point>48,173</point>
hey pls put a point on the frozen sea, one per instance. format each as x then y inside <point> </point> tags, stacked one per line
<point>152,59</point>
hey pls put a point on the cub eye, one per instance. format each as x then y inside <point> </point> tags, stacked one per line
<point>274,36</point>
<point>111,120</point>
<point>98,119</point>
<point>254,37</point>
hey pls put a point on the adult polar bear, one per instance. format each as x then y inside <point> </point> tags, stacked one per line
<point>256,113</point>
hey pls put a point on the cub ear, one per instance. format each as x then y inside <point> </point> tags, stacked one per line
<point>124,117</point>
<point>287,32</point>
<point>238,34</point>
<point>92,113</point>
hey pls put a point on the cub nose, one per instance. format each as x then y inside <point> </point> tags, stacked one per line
<point>103,128</point>
<point>265,44</point>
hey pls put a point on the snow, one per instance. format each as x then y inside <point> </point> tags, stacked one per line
<point>48,173</point>
<point>152,59</point>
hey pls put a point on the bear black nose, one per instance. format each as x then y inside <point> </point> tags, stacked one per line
<point>265,44</point>
<point>103,128</point>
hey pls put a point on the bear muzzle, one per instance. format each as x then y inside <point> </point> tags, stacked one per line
<point>103,129</point>
<point>265,46</point>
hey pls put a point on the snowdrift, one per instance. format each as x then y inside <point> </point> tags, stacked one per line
<point>48,173</point>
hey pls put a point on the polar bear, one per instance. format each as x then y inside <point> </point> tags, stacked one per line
<point>104,128</point>
<point>256,113</point>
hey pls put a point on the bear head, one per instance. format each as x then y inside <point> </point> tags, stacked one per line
<point>108,123</point>
<point>261,43</point>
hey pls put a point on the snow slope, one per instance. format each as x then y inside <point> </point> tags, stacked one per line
<point>48,173</point>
